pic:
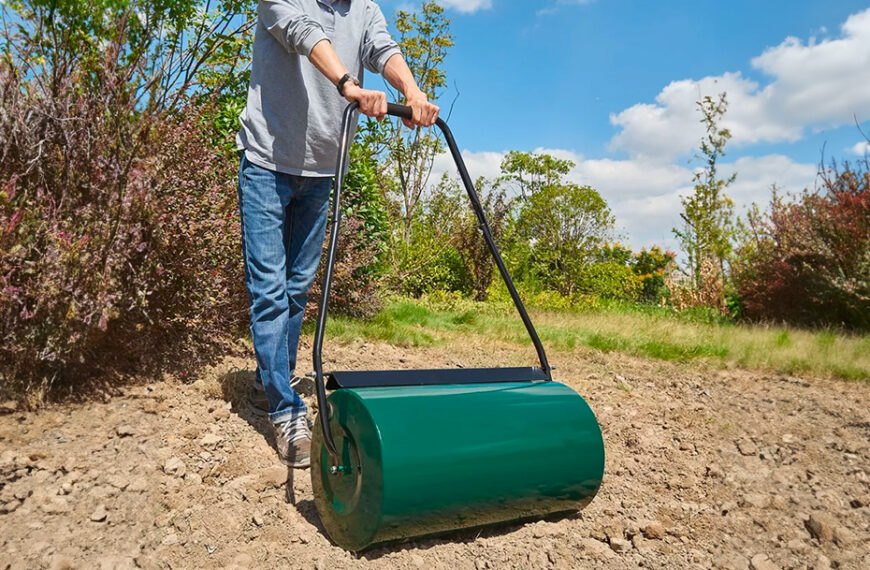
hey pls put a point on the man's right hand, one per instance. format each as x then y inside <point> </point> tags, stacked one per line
<point>371,103</point>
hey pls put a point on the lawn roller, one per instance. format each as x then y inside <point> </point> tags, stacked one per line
<point>406,453</point>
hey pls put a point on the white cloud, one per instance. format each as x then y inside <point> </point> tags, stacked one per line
<point>645,197</point>
<point>814,84</point>
<point>756,175</point>
<point>861,149</point>
<point>467,6</point>
<point>486,164</point>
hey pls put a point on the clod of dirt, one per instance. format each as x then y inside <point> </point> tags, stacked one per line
<point>59,562</point>
<point>797,545</point>
<point>731,562</point>
<point>220,414</point>
<point>747,447</point>
<point>56,506</point>
<point>654,530</point>
<point>843,536</point>
<point>620,545</point>
<point>174,466</point>
<point>756,500</point>
<point>210,440</point>
<point>118,481</point>
<point>762,562</point>
<point>821,527</point>
<point>100,514</point>
<point>273,477</point>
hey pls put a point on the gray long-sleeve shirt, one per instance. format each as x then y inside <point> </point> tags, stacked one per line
<point>292,118</point>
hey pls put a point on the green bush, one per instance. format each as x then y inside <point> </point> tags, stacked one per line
<point>446,272</point>
<point>653,266</point>
<point>609,280</point>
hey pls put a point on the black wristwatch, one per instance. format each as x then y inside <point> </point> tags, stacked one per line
<point>344,79</point>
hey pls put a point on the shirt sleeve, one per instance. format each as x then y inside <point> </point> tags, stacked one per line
<point>378,46</point>
<point>288,22</point>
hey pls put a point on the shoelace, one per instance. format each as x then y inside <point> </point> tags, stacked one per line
<point>295,429</point>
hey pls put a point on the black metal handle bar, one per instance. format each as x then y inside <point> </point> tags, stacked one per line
<point>344,146</point>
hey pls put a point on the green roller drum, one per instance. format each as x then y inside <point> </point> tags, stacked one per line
<point>405,453</point>
<point>422,460</point>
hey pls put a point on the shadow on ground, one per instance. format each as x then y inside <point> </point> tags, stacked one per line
<point>235,385</point>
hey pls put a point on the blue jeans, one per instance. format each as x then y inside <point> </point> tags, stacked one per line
<point>283,224</point>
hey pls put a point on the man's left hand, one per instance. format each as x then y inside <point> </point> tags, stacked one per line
<point>424,112</point>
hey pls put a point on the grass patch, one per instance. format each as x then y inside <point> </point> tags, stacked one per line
<point>640,330</point>
<point>605,342</point>
<point>664,350</point>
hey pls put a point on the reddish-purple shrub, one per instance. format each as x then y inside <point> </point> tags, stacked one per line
<point>118,234</point>
<point>807,260</point>
<point>355,289</point>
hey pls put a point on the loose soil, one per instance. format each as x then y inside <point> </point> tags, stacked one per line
<point>705,469</point>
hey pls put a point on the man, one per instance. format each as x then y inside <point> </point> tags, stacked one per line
<point>309,57</point>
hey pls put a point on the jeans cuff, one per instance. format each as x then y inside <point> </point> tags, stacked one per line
<point>284,415</point>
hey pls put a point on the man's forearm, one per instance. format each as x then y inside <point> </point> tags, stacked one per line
<point>397,73</point>
<point>327,62</point>
<point>374,103</point>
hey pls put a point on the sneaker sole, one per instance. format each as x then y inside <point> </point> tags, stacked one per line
<point>297,465</point>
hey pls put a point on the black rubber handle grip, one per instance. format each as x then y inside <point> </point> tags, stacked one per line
<point>400,111</point>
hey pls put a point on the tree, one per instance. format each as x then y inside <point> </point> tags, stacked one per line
<point>561,226</point>
<point>425,40</point>
<point>708,225</point>
<point>527,172</point>
<point>155,49</point>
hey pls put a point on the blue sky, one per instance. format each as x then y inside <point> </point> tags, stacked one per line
<point>611,84</point>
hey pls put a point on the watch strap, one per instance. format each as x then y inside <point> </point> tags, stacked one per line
<point>344,79</point>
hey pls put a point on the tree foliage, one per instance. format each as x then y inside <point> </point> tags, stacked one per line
<point>560,225</point>
<point>708,219</point>
<point>157,49</point>
<point>429,260</point>
<point>526,173</point>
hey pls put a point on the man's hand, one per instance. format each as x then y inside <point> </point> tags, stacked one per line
<point>424,112</point>
<point>371,103</point>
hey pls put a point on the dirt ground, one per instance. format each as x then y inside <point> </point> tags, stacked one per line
<point>705,469</point>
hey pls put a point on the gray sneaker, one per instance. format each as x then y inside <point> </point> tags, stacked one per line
<point>293,440</point>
